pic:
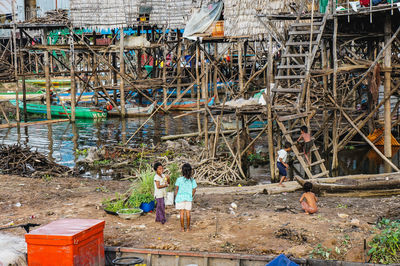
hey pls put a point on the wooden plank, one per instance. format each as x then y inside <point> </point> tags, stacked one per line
<point>292,117</point>
<point>33,123</point>
<point>287,90</point>
<point>290,77</point>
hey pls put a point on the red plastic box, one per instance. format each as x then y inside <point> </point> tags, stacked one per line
<point>67,242</point>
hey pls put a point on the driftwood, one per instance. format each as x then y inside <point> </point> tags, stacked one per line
<point>344,184</point>
<point>21,160</point>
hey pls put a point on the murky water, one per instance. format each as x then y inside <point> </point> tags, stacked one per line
<point>60,141</point>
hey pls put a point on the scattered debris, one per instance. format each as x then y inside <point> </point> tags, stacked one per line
<point>290,234</point>
<point>21,160</point>
<point>343,215</point>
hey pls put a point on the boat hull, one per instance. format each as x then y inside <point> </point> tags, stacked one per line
<point>60,111</point>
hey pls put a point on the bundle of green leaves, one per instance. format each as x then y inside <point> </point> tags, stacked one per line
<point>385,246</point>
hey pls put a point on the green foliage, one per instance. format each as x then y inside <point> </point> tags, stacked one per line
<point>385,246</point>
<point>114,205</point>
<point>167,153</point>
<point>321,252</point>
<point>102,162</point>
<point>146,181</point>
<point>129,211</point>
<point>136,199</point>
<point>47,177</point>
<point>254,156</point>
<point>174,173</point>
<point>341,206</point>
<point>83,152</point>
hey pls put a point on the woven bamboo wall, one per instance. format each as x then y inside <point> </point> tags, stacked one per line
<point>114,13</point>
<point>240,16</point>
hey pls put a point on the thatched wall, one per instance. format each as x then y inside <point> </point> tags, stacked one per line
<point>97,13</point>
<point>240,16</point>
<point>114,13</point>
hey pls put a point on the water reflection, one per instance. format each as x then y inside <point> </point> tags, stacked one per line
<point>60,141</point>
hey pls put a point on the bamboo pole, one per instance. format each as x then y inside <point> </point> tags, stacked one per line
<point>335,161</point>
<point>73,84</point>
<point>387,83</point>
<point>363,136</point>
<point>122,71</point>
<point>47,76</point>
<point>267,98</point>
<point>198,86</point>
<point>215,76</point>
<point>178,67</point>
<point>241,85</point>
<point>14,37</point>
<point>325,86</point>
<point>23,86</point>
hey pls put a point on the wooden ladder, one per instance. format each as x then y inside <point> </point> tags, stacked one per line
<point>291,85</point>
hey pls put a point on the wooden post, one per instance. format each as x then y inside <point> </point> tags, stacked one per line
<point>269,112</point>
<point>164,74</point>
<point>215,77</point>
<point>72,71</point>
<point>47,76</point>
<point>241,85</point>
<point>14,33</point>
<point>23,87</point>
<point>205,98</point>
<point>198,86</point>
<point>178,66</point>
<point>122,71</point>
<point>335,162</point>
<point>387,83</point>
<point>325,86</point>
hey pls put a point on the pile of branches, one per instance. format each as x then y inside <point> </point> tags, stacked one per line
<point>59,16</point>
<point>217,172</point>
<point>21,160</point>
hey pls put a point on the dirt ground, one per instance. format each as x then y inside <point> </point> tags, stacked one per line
<point>261,224</point>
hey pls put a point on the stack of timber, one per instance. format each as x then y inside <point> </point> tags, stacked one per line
<point>357,185</point>
<point>59,16</point>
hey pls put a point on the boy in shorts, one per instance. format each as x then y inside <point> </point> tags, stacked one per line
<point>281,162</point>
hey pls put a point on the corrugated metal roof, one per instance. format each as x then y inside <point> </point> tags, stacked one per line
<point>5,7</point>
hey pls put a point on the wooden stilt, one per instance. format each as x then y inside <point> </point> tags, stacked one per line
<point>267,98</point>
<point>215,73</point>
<point>179,64</point>
<point>387,83</point>
<point>335,162</point>
<point>14,37</point>
<point>240,66</point>
<point>122,72</point>
<point>47,76</point>
<point>73,84</point>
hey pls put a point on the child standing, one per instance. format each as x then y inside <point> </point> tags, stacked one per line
<point>310,203</point>
<point>281,163</point>
<point>161,183</point>
<point>184,193</point>
<point>307,142</point>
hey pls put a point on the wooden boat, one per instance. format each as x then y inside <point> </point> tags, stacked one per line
<point>59,111</point>
<point>185,104</point>
<point>134,111</point>
<point>30,96</point>
<point>352,183</point>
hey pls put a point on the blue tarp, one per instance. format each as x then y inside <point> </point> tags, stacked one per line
<point>281,260</point>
